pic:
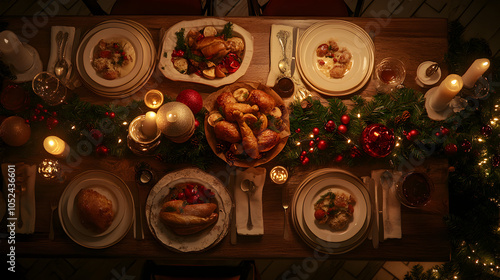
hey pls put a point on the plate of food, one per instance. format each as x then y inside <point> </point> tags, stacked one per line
<point>96,209</point>
<point>206,51</point>
<point>335,57</point>
<point>247,124</point>
<point>189,210</point>
<point>112,57</point>
<point>334,210</point>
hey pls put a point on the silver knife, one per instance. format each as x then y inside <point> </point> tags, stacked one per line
<point>375,234</point>
<point>380,205</point>
<point>138,230</point>
<point>294,45</point>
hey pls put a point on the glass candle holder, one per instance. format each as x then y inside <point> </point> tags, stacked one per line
<point>279,175</point>
<point>139,142</point>
<point>49,88</point>
<point>49,169</point>
<point>389,74</point>
<point>153,99</point>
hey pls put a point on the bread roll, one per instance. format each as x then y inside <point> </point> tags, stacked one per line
<point>96,211</point>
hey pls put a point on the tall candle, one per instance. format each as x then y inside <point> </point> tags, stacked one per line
<point>446,91</point>
<point>153,99</point>
<point>149,127</point>
<point>476,70</point>
<point>14,52</point>
<point>56,146</point>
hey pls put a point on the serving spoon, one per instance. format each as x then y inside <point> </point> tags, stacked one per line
<point>248,187</point>
<point>283,38</point>
<point>61,66</point>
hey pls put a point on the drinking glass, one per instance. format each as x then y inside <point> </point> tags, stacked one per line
<point>49,88</point>
<point>414,189</point>
<point>390,74</point>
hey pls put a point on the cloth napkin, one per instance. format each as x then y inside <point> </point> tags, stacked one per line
<point>258,176</point>
<point>25,176</point>
<point>70,80</point>
<point>391,206</point>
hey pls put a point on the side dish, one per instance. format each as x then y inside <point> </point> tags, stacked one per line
<point>336,209</point>
<point>208,52</point>
<point>113,59</point>
<point>333,61</point>
<point>189,208</point>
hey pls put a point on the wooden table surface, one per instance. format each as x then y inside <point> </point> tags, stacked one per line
<point>424,232</point>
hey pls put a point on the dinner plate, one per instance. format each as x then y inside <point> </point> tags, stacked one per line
<point>200,241</point>
<point>170,41</point>
<point>111,181</point>
<point>347,35</point>
<point>110,190</point>
<point>110,35</point>
<point>335,185</point>
<point>299,222</point>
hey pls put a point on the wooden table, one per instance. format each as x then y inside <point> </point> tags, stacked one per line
<point>424,231</point>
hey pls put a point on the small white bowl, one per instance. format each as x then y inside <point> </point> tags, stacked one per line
<point>422,79</point>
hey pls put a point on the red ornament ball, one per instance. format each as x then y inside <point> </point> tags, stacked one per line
<point>192,99</point>
<point>330,126</point>
<point>102,150</point>
<point>377,140</point>
<point>450,149</point>
<point>315,131</point>
<point>412,135</point>
<point>96,134</point>
<point>304,153</point>
<point>196,123</point>
<point>444,131</point>
<point>311,143</point>
<point>345,119</point>
<point>466,146</point>
<point>486,130</point>
<point>305,161</point>
<point>14,131</point>
<point>338,158</point>
<point>322,145</point>
<point>342,129</point>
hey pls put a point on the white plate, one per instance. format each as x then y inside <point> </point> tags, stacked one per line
<point>170,40</point>
<point>106,188</point>
<point>113,34</point>
<point>335,185</point>
<point>196,242</point>
<point>115,235</point>
<point>346,34</point>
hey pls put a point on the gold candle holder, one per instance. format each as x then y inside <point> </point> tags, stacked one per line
<point>139,142</point>
<point>279,175</point>
<point>153,99</point>
<point>49,169</point>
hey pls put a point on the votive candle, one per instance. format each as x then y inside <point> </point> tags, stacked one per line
<point>14,52</point>
<point>149,127</point>
<point>56,146</point>
<point>279,174</point>
<point>153,99</point>
<point>476,70</point>
<point>446,91</point>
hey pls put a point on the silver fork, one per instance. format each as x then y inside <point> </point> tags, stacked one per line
<point>53,207</point>
<point>285,204</point>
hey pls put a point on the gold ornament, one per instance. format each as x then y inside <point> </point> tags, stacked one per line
<point>176,121</point>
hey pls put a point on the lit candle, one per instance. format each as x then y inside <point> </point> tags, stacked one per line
<point>153,99</point>
<point>478,67</point>
<point>149,127</point>
<point>278,174</point>
<point>14,52</point>
<point>56,146</point>
<point>446,91</point>
<point>49,168</point>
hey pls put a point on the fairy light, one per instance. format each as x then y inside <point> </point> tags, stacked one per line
<point>311,135</point>
<point>73,127</point>
<point>298,143</point>
<point>348,140</point>
<point>125,123</point>
<point>119,140</point>
<point>359,115</point>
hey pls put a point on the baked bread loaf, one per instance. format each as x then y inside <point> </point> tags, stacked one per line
<point>96,211</point>
<point>185,219</point>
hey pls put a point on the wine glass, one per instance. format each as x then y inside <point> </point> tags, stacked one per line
<point>414,189</point>
<point>49,88</point>
<point>390,74</point>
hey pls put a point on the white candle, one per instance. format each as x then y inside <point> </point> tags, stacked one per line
<point>446,91</point>
<point>14,52</point>
<point>56,146</point>
<point>153,99</point>
<point>476,70</point>
<point>149,127</point>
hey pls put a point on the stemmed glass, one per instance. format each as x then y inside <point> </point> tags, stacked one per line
<point>49,88</point>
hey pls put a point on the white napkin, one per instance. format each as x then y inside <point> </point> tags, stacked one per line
<point>258,176</point>
<point>27,174</point>
<point>70,82</point>
<point>391,208</point>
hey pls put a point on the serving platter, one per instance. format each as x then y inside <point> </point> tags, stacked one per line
<point>197,242</point>
<point>113,187</point>
<point>165,64</point>
<point>347,35</point>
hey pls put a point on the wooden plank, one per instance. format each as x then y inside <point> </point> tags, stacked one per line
<point>495,44</point>
<point>472,11</point>
<point>482,26</point>
<point>426,11</point>
<point>437,5</point>
<point>6,5</point>
<point>382,8</point>
<point>408,8</point>
<point>457,8</point>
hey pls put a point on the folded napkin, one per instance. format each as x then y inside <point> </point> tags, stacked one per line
<point>25,177</point>
<point>391,206</point>
<point>70,80</point>
<point>258,176</point>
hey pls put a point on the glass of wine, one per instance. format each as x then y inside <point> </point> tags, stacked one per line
<point>389,74</point>
<point>414,189</point>
<point>49,88</point>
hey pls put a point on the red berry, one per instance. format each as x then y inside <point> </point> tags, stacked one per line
<point>342,128</point>
<point>339,158</point>
<point>315,131</point>
<point>305,161</point>
<point>444,131</point>
<point>111,115</point>
<point>345,119</point>
<point>303,153</point>
<point>322,145</point>
<point>297,130</point>
<point>196,123</point>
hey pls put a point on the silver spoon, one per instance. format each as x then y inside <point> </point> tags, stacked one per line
<point>283,38</point>
<point>61,66</point>
<point>431,69</point>
<point>248,187</point>
<point>386,180</point>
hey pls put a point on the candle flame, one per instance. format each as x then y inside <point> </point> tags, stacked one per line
<point>6,40</point>
<point>51,142</point>
<point>485,63</point>
<point>454,82</point>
